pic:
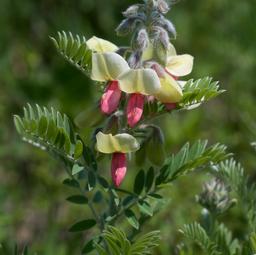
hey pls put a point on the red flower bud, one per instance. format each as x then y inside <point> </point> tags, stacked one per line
<point>134,109</point>
<point>118,168</point>
<point>111,98</point>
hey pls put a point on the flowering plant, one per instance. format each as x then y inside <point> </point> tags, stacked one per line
<point>138,83</point>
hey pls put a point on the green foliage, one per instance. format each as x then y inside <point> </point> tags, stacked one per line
<point>224,240</point>
<point>196,233</point>
<point>118,243</point>
<point>78,199</point>
<point>199,91</point>
<point>25,81</point>
<point>82,225</point>
<point>190,158</point>
<point>74,49</point>
<point>234,176</point>
<point>148,184</point>
<point>217,235</point>
<point>49,130</point>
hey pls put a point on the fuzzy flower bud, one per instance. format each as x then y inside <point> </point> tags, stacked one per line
<point>167,25</point>
<point>161,45</point>
<point>126,26</point>
<point>132,11</point>
<point>135,109</point>
<point>162,6</point>
<point>134,60</point>
<point>215,197</point>
<point>162,36</point>
<point>141,40</point>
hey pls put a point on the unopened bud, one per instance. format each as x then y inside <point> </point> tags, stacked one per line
<point>126,27</point>
<point>155,147</point>
<point>215,197</point>
<point>160,53</point>
<point>167,25</point>
<point>162,6</point>
<point>161,44</point>
<point>163,37</point>
<point>135,59</point>
<point>132,11</point>
<point>141,40</point>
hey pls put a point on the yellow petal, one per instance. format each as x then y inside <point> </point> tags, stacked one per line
<point>100,45</point>
<point>171,50</point>
<point>143,81</point>
<point>170,91</point>
<point>107,66</point>
<point>124,143</point>
<point>180,65</point>
<point>149,53</point>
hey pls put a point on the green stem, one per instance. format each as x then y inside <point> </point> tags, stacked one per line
<point>98,219</point>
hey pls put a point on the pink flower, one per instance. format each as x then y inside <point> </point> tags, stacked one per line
<point>111,98</point>
<point>134,109</point>
<point>118,168</point>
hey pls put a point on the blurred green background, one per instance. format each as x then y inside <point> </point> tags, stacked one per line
<point>220,34</point>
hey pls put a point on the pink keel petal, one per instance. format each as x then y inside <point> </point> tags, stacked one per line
<point>118,168</point>
<point>111,98</point>
<point>134,109</point>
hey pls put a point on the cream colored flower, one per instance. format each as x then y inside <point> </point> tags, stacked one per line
<point>107,66</point>
<point>141,81</point>
<point>122,143</point>
<point>179,65</point>
<point>170,91</point>
<point>101,45</point>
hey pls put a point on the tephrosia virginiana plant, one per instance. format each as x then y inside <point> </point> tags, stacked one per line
<point>139,83</point>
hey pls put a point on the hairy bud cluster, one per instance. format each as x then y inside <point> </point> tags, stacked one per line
<point>215,197</point>
<point>153,27</point>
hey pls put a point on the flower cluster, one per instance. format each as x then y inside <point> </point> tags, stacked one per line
<point>136,75</point>
<point>215,197</point>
